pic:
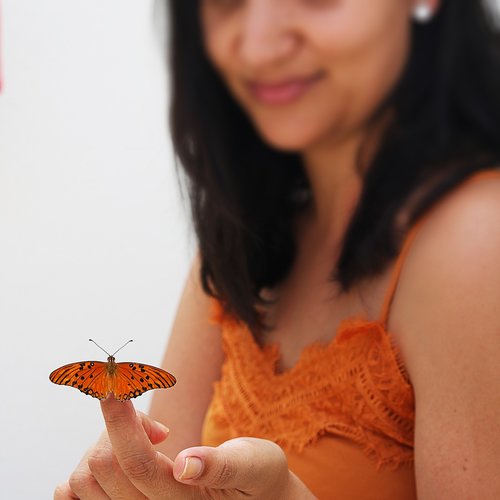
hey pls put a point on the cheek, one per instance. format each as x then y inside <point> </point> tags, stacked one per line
<point>218,32</point>
<point>363,49</point>
<point>364,60</point>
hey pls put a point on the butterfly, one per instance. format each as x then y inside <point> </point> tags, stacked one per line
<point>124,380</point>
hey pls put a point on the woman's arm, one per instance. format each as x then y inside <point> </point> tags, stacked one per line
<point>446,315</point>
<point>194,355</point>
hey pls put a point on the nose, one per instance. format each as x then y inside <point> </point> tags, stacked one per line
<point>267,33</point>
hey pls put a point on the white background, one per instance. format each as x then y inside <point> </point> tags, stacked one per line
<point>94,240</point>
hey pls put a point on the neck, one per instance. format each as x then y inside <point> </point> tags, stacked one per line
<point>335,169</point>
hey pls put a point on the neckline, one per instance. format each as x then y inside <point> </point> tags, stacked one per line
<point>269,354</point>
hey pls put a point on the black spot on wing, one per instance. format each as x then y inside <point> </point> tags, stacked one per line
<point>82,375</point>
<point>135,379</point>
<point>128,386</point>
<point>163,377</point>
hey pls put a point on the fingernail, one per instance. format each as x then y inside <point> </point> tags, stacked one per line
<point>161,427</point>
<point>192,468</point>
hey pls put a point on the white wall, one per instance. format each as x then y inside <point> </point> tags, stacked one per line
<point>93,239</point>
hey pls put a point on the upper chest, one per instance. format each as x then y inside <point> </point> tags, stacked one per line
<point>308,305</point>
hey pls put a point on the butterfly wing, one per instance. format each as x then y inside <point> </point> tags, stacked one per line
<point>88,377</point>
<point>134,379</point>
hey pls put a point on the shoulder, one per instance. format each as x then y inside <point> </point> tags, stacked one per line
<point>452,268</point>
<point>476,199</point>
<point>460,234</point>
<point>446,315</point>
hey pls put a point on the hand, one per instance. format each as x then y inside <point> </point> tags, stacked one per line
<point>124,465</point>
<point>82,483</point>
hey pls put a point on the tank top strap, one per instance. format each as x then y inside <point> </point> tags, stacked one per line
<point>410,237</point>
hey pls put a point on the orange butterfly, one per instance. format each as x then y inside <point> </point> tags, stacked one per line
<point>124,380</point>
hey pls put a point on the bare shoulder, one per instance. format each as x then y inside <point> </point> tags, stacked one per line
<point>446,316</point>
<point>451,275</point>
<point>458,244</point>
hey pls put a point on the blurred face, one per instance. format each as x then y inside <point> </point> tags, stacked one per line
<point>307,71</point>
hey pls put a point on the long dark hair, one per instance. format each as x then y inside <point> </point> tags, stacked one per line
<point>446,126</point>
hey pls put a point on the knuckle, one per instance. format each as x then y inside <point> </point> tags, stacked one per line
<point>140,467</point>
<point>115,419</point>
<point>269,448</point>
<point>225,472</point>
<point>265,455</point>
<point>80,481</point>
<point>278,458</point>
<point>100,460</point>
<point>59,493</point>
<point>280,464</point>
<point>278,453</point>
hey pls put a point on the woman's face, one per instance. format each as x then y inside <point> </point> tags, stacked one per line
<point>307,72</point>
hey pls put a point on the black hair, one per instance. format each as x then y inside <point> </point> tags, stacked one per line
<point>242,191</point>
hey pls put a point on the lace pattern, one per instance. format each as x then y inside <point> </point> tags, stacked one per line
<point>355,387</point>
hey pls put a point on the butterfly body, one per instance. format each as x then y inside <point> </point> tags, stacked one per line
<point>111,366</point>
<point>124,380</point>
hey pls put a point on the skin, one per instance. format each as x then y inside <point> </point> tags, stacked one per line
<point>125,465</point>
<point>360,49</point>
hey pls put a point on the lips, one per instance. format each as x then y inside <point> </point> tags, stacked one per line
<point>284,91</point>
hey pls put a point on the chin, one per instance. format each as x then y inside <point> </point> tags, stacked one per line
<point>287,139</point>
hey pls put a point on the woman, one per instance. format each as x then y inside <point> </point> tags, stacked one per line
<point>341,162</point>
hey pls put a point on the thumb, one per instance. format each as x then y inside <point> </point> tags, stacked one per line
<point>246,464</point>
<point>156,431</point>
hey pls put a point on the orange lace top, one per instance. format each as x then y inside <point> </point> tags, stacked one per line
<point>344,414</point>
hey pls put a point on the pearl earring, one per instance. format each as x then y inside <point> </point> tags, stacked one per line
<point>422,12</point>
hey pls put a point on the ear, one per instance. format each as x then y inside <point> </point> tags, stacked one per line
<point>423,11</point>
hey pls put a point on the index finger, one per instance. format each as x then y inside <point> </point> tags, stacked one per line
<point>149,471</point>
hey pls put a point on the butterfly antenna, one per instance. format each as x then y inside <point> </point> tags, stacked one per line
<point>128,342</point>
<point>100,347</point>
